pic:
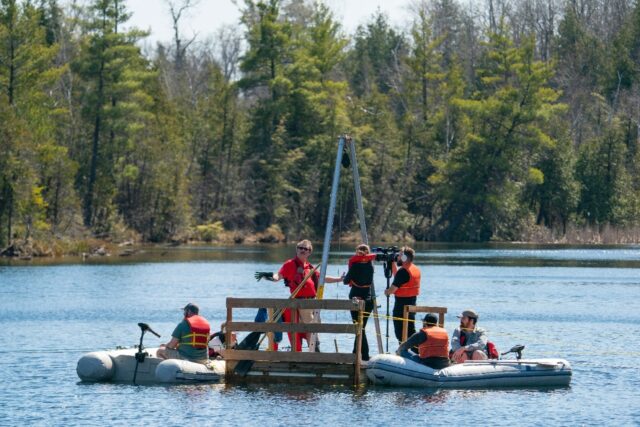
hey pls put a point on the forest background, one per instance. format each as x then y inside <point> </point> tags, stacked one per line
<point>509,120</point>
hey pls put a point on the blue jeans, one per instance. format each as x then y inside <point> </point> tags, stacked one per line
<point>263,317</point>
<point>408,354</point>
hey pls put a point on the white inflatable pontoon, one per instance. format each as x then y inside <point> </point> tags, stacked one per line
<point>120,366</point>
<point>392,370</point>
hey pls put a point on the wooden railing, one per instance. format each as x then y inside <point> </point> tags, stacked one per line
<point>294,366</point>
<point>441,311</point>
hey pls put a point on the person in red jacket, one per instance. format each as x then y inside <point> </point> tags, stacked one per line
<point>405,288</point>
<point>292,272</point>
<point>190,339</point>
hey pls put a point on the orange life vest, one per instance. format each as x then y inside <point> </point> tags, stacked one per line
<point>412,287</point>
<point>198,336</point>
<point>437,343</point>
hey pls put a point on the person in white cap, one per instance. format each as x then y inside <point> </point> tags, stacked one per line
<point>468,341</point>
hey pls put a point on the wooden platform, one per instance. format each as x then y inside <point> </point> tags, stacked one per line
<point>293,366</point>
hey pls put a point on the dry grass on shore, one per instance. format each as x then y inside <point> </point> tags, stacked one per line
<point>85,247</point>
<point>585,235</point>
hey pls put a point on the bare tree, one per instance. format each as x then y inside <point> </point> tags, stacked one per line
<point>178,8</point>
<point>227,49</point>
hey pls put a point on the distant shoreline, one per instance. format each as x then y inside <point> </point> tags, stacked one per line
<point>95,247</point>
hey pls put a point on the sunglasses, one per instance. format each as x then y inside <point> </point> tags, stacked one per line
<point>302,248</point>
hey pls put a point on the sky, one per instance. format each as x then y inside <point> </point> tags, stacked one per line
<point>209,15</point>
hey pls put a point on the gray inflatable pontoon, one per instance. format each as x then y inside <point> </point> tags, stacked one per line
<point>120,365</point>
<point>392,370</point>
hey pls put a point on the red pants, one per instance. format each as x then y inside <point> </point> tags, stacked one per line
<point>286,315</point>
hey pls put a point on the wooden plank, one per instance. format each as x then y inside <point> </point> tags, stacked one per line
<point>429,309</point>
<point>405,322</point>
<point>288,356</point>
<point>298,373</point>
<point>315,368</point>
<point>318,328</point>
<point>228,340</point>
<point>426,309</point>
<point>311,304</point>
<point>356,367</point>
<point>262,378</point>
<point>270,336</point>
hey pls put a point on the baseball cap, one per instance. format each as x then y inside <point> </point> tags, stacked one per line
<point>430,319</point>
<point>469,313</point>
<point>193,308</point>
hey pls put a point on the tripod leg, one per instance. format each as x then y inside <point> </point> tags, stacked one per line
<point>387,323</point>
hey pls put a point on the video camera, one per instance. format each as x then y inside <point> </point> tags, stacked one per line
<point>389,254</point>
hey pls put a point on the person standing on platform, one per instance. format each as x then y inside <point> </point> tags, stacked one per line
<point>292,272</point>
<point>405,288</point>
<point>360,277</point>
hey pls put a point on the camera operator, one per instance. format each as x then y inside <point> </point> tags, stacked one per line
<point>405,288</point>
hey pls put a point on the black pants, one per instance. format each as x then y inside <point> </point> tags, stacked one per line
<point>368,308</point>
<point>398,312</point>
<point>435,362</point>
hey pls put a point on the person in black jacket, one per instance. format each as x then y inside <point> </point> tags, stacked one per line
<point>360,277</point>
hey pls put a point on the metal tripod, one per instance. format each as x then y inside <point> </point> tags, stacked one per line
<point>342,141</point>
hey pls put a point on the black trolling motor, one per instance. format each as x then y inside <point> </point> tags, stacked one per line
<point>388,256</point>
<point>141,355</point>
<point>517,349</point>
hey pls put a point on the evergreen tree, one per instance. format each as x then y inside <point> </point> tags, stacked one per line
<point>27,74</point>
<point>111,68</point>
<point>481,184</point>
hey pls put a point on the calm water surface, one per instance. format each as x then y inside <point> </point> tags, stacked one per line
<point>577,303</point>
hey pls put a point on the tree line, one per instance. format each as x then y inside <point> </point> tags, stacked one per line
<point>478,121</point>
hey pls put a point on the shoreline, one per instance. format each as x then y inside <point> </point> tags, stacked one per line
<point>94,247</point>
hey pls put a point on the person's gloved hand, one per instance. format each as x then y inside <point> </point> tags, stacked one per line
<point>263,275</point>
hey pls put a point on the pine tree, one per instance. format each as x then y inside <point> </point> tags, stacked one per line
<point>481,184</point>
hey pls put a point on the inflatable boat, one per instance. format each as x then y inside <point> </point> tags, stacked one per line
<point>392,370</point>
<point>127,365</point>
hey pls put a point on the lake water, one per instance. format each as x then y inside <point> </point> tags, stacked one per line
<point>577,303</point>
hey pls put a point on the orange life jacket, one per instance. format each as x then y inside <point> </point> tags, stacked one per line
<point>412,287</point>
<point>437,343</point>
<point>198,336</point>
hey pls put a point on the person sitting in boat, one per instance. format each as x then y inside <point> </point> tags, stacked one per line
<point>432,342</point>
<point>293,271</point>
<point>360,277</point>
<point>217,341</point>
<point>190,339</point>
<point>468,341</point>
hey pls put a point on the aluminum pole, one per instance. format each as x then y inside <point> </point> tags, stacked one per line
<point>364,235</point>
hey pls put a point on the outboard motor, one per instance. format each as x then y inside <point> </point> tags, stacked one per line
<point>141,355</point>
<point>517,349</point>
